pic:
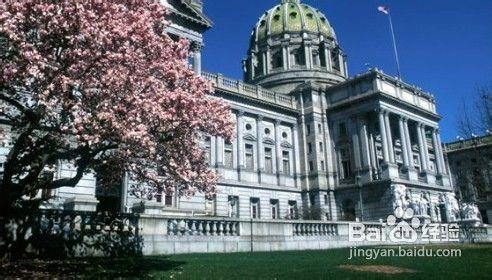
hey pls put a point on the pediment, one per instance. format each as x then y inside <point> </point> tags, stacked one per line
<point>249,137</point>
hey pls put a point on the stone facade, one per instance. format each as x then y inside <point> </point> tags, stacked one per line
<point>311,141</point>
<point>470,163</point>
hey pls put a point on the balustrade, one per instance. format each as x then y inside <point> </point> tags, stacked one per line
<point>189,227</point>
<point>249,90</point>
<point>315,229</point>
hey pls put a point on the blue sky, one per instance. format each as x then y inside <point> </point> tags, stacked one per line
<point>445,46</point>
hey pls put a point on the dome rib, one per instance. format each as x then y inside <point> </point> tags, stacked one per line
<point>281,19</point>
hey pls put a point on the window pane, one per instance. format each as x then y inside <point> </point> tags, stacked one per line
<point>249,157</point>
<point>268,160</point>
<point>286,162</point>
<point>169,200</point>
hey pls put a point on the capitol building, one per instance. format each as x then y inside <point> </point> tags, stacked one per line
<point>311,141</point>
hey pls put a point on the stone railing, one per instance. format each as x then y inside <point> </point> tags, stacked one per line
<point>252,91</point>
<point>469,143</point>
<point>193,227</point>
<point>315,229</point>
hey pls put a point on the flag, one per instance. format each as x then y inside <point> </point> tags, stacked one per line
<point>383,10</point>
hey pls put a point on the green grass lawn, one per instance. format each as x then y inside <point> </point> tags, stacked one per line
<point>475,263</point>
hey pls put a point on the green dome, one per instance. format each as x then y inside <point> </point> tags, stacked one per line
<point>290,16</point>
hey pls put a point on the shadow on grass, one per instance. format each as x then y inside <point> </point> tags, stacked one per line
<point>89,268</point>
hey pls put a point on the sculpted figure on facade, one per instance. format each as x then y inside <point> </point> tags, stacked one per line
<point>470,211</point>
<point>452,206</point>
<point>400,197</point>
<point>424,204</point>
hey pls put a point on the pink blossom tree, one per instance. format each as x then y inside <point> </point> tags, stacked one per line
<point>100,85</point>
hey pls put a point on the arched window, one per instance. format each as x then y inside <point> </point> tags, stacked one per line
<point>315,57</point>
<point>298,58</point>
<point>277,59</point>
<point>258,65</point>
<point>322,57</point>
<point>335,61</point>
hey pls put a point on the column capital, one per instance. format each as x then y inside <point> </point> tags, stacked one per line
<point>259,118</point>
<point>384,112</point>
<point>195,47</point>
<point>278,122</point>
<point>240,113</point>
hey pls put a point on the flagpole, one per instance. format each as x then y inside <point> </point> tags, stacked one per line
<point>394,45</point>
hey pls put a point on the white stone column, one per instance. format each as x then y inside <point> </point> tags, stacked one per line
<point>354,134</point>
<point>285,57</point>
<point>328,59</point>
<point>441,154</point>
<point>252,66</point>
<point>423,158</point>
<point>408,141</point>
<point>307,55</point>
<point>363,136</point>
<point>220,151</point>
<point>426,147</point>
<point>297,158</point>
<point>403,141</point>
<point>374,159</point>
<point>261,150</point>
<point>278,150</point>
<point>268,61</point>
<point>340,61</point>
<point>345,66</point>
<point>213,150</point>
<point>239,140</point>
<point>384,139</point>
<point>437,151</point>
<point>196,49</point>
<point>389,135</point>
<point>264,63</point>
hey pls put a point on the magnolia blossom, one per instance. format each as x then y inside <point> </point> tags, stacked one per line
<point>101,85</point>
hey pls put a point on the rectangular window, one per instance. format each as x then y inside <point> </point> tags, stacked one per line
<point>321,146</point>
<point>323,165</point>
<point>311,167</point>
<point>210,205</point>
<point>233,206</point>
<point>308,129</point>
<point>319,128</point>
<point>293,209</point>
<point>158,197</point>
<point>275,209</point>
<point>268,160</point>
<point>168,200</point>
<point>249,157</point>
<point>208,149</point>
<point>286,162</point>
<point>326,199</point>
<point>322,57</point>
<point>228,156</point>
<point>335,61</point>
<point>342,129</point>
<point>315,57</point>
<point>255,208</point>
<point>347,170</point>
<point>310,148</point>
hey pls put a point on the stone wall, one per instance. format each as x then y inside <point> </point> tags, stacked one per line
<point>168,235</point>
